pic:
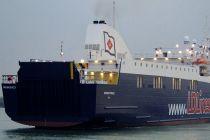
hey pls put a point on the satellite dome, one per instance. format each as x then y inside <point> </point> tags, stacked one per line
<point>186,39</point>
<point>194,41</point>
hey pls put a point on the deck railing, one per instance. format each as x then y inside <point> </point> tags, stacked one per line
<point>9,79</point>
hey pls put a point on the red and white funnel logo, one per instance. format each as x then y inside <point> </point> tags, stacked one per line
<point>109,43</point>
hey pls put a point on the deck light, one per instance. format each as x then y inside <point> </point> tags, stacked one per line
<point>92,73</point>
<point>102,74</point>
<point>110,61</point>
<point>82,61</point>
<point>96,61</point>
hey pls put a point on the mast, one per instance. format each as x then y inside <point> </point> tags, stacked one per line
<point>61,50</point>
<point>206,27</point>
<point>207,39</point>
<point>113,16</point>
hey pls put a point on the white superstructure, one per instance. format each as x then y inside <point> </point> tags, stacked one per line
<point>105,50</point>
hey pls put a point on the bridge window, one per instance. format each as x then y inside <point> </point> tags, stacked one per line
<point>176,84</point>
<point>193,85</point>
<point>157,82</point>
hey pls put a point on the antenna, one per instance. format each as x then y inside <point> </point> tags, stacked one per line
<point>206,35</point>
<point>206,27</point>
<point>61,53</point>
<point>113,16</point>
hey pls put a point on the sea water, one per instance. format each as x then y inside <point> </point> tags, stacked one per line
<point>10,130</point>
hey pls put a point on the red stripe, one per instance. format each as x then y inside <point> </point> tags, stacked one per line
<point>179,122</point>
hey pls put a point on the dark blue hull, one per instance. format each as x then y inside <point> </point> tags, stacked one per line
<point>46,95</point>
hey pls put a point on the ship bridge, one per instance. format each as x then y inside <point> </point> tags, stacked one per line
<point>104,51</point>
<point>99,72</point>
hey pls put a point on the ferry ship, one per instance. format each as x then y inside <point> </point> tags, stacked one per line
<point>110,87</point>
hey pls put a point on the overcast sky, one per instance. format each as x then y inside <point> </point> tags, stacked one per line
<point>34,28</point>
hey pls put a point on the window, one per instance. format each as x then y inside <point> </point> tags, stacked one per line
<point>193,85</point>
<point>176,84</point>
<point>139,82</point>
<point>157,82</point>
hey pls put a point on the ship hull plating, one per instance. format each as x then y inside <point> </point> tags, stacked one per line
<point>61,101</point>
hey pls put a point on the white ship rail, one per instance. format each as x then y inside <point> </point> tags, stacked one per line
<point>9,79</point>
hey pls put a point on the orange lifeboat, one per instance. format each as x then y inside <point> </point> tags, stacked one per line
<point>200,61</point>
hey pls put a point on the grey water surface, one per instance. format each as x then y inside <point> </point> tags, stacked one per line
<point>12,131</point>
